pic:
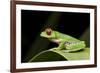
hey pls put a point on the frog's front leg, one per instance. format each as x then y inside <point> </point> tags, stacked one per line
<point>75,46</point>
<point>60,47</point>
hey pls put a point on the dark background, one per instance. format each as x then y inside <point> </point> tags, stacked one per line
<point>34,22</point>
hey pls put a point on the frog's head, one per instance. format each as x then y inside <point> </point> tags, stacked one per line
<point>47,33</point>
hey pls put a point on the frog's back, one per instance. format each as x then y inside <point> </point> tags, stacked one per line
<point>65,37</point>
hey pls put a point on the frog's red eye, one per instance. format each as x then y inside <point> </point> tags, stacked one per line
<point>48,32</point>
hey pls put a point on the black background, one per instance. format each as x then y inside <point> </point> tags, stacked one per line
<point>34,22</point>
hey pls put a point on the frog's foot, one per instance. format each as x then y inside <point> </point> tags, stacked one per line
<point>56,48</point>
<point>66,51</point>
<point>70,51</point>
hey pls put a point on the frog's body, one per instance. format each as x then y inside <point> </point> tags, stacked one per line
<point>65,42</point>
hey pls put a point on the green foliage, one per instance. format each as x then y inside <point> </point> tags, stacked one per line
<point>60,55</point>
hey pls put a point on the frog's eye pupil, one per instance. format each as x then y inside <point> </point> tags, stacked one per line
<point>48,32</point>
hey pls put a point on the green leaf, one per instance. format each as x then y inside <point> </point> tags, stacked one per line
<point>60,55</point>
<point>79,55</point>
<point>47,56</point>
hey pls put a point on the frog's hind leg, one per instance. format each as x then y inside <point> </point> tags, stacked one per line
<point>75,47</point>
